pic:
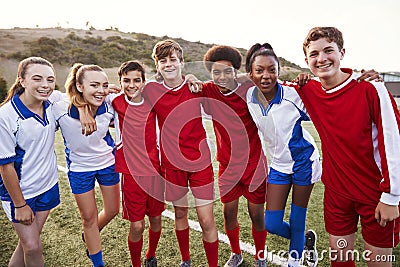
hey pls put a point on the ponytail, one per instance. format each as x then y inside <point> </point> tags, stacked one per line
<point>76,76</point>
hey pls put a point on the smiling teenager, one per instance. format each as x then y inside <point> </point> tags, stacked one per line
<point>185,155</point>
<point>242,164</point>
<point>278,111</point>
<point>137,159</point>
<point>28,164</point>
<point>90,158</point>
<point>359,126</point>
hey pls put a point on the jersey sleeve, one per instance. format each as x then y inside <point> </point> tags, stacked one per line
<point>387,118</point>
<point>110,97</point>
<point>8,141</point>
<point>57,96</point>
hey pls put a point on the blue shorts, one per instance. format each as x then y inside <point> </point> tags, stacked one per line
<point>82,182</point>
<point>45,201</point>
<point>308,174</point>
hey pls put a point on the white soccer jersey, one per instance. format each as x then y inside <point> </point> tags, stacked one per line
<point>28,141</point>
<point>289,145</point>
<point>86,153</point>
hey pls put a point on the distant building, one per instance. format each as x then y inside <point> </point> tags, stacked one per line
<point>392,82</point>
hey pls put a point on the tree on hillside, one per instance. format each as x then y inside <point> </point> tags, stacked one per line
<point>3,89</point>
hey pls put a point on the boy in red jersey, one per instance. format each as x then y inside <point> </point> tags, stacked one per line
<point>185,155</point>
<point>242,164</point>
<point>359,125</point>
<point>137,158</point>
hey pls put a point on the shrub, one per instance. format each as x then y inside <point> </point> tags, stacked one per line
<point>3,89</point>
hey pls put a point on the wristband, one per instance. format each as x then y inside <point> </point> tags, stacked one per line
<point>21,206</point>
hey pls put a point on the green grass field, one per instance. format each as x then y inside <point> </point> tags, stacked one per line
<point>62,233</point>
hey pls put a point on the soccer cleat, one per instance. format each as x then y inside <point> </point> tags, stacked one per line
<point>260,263</point>
<point>234,260</point>
<point>310,247</point>
<point>150,262</point>
<point>187,263</point>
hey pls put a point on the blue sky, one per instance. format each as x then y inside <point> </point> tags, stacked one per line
<point>371,28</point>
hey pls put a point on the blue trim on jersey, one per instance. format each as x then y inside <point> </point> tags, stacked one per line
<point>67,154</point>
<point>300,149</point>
<point>276,100</point>
<point>25,113</point>
<point>74,113</point>
<point>17,159</point>
<point>110,141</point>
<point>7,160</point>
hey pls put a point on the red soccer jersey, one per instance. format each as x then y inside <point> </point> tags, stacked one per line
<point>183,143</point>
<point>358,124</point>
<point>137,153</point>
<point>237,136</point>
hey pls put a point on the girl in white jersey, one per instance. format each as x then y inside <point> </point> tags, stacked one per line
<point>278,112</point>
<point>28,165</point>
<point>90,158</point>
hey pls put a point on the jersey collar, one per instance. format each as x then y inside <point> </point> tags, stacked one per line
<point>74,113</point>
<point>25,113</point>
<point>276,100</point>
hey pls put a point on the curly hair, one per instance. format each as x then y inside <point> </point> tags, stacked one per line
<point>222,52</point>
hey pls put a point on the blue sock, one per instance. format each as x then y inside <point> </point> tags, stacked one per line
<point>97,259</point>
<point>297,228</point>
<point>274,223</point>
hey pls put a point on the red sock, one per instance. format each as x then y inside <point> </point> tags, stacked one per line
<point>343,264</point>
<point>183,242</point>
<point>259,238</point>
<point>135,250</point>
<point>153,242</point>
<point>211,252</point>
<point>233,236</point>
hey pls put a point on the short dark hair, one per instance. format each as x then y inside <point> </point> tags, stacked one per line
<point>130,66</point>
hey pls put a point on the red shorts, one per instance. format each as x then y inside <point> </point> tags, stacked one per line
<point>341,218</point>
<point>142,195</point>
<point>177,182</point>
<point>239,180</point>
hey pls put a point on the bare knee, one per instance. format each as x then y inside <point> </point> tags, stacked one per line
<point>181,213</point>
<point>137,228</point>
<point>258,221</point>
<point>89,221</point>
<point>256,212</point>
<point>230,221</point>
<point>155,223</point>
<point>33,248</point>
<point>207,223</point>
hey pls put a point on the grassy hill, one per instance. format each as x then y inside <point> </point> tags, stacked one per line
<point>107,48</point>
